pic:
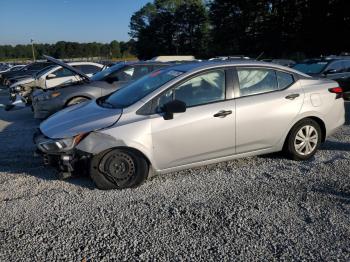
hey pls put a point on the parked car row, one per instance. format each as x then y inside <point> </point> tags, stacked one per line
<point>9,68</point>
<point>133,119</point>
<point>335,67</point>
<point>51,76</point>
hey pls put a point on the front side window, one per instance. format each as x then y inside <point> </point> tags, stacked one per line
<point>140,71</point>
<point>63,72</point>
<point>102,75</point>
<point>124,74</point>
<point>336,67</point>
<point>205,88</point>
<point>311,67</point>
<point>256,81</point>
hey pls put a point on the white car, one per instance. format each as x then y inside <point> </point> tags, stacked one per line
<point>191,115</point>
<point>52,76</point>
<point>49,77</point>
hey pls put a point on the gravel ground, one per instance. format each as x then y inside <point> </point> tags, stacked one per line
<point>257,208</point>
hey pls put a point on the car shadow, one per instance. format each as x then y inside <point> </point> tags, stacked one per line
<point>335,146</point>
<point>337,194</point>
<point>17,149</point>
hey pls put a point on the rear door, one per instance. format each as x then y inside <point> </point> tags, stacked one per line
<point>201,133</point>
<point>268,102</point>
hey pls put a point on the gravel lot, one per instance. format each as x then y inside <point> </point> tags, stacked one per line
<point>258,208</point>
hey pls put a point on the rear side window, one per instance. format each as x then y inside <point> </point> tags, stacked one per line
<point>254,81</point>
<point>284,80</point>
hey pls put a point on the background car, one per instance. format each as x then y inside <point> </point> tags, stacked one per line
<point>279,61</point>
<point>47,102</point>
<point>335,68</point>
<point>26,71</point>
<point>51,76</point>
<point>192,115</point>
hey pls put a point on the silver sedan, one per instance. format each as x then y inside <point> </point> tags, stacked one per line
<point>192,115</point>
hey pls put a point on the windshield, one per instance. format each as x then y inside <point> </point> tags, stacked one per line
<point>139,89</point>
<point>311,67</point>
<point>100,76</point>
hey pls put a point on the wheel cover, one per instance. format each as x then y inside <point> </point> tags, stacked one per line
<point>118,167</point>
<point>306,140</point>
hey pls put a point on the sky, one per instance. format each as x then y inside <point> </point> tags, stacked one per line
<point>49,21</point>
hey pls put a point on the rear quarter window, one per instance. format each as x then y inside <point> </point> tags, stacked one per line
<point>284,79</point>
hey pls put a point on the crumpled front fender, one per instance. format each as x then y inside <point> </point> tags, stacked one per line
<point>96,143</point>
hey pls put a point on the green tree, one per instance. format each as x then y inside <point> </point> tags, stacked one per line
<point>115,49</point>
<point>168,27</point>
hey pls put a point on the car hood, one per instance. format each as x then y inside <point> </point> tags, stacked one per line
<point>81,118</point>
<point>70,68</point>
<point>23,81</point>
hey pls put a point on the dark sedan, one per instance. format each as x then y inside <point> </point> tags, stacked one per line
<point>335,68</point>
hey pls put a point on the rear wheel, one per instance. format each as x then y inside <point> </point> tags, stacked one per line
<point>76,100</point>
<point>303,140</point>
<point>118,169</point>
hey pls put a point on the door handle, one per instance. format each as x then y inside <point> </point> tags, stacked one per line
<point>292,96</point>
<point>223,113</point>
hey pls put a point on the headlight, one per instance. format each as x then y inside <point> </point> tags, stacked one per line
<point>18,88</point>
<point>60,145</point>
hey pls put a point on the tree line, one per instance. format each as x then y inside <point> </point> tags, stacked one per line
<point>63,49</point>
<point>207,28</point>
<point>273,28</point>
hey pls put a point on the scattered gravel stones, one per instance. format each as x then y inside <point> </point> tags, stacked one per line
<point>257,208</point>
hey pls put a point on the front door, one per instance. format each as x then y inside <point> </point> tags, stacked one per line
<point>205,131</point>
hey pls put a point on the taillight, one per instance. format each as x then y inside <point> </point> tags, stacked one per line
<point>336,90</point>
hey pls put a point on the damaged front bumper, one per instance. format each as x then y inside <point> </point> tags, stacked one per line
<point>68,161</point>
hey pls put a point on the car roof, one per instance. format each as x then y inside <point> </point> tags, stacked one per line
<point>149,63</point>
<point>212,64</point>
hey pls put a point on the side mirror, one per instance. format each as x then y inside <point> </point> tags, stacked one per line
<point>330,71</point>
<point>50,76</point>
<point>172,107</point>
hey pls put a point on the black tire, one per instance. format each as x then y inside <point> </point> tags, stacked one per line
<point>290,144</point>
<point>118,169</point>
<point>76,100</point>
